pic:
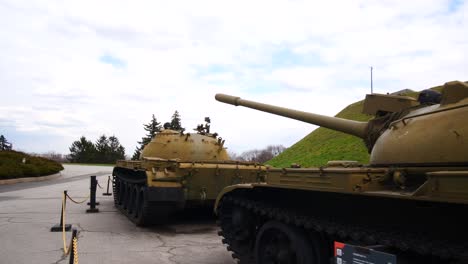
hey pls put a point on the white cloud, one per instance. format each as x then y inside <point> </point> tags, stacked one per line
<point>54,83</point>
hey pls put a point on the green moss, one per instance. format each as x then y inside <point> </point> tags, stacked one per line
<point>12,166</point>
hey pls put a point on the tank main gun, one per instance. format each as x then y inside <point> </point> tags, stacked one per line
<point>431,130</point>
<point>352,127</point>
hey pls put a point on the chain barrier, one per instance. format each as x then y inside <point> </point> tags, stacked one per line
<point>78,202</point>
<point>72,249</point>
<point>107,193</point>
<point>99,185</point>
<point>64,237</point>
<point>75,250</point>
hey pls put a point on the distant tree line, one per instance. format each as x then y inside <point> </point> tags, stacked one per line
<point>154,127</point>
<point>4,144</point>
<point>105,150</point>
<point>259,155</point>
<point>51,155</point>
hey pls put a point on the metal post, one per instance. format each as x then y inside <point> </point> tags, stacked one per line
<point>92,203</point>
<point>59,227</point>
<point>107,193</point>
<point>72,247</point>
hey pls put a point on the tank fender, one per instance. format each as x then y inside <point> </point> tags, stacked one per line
<point>229,189</point>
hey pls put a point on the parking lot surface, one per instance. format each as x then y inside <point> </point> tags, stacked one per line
<point>29,210</point>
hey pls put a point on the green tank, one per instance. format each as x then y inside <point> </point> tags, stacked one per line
<point>410,200</point>
<point>176,171</point>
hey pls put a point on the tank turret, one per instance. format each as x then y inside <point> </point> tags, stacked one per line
<point>404,132</point>
<point>172,144</point>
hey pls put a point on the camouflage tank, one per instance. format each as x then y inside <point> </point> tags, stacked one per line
<point>409,202</point>
<point>177,170</point>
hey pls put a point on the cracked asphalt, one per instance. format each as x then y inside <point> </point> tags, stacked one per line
<point>29,210</point>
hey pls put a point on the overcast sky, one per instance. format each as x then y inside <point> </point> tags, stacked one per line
<point>73,68</point>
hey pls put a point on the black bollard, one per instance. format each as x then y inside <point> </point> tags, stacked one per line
<point>107,193</point>
<point>72,246</point>
<point>59,227</point>
<point>92,202</point>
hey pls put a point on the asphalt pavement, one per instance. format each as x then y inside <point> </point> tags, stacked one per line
<point>29,210</point>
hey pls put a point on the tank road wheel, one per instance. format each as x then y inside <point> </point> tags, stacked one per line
<point>131,198</point>
<point>142,209</point>
<point>128,197</point>
<point>125,197</point>
<point>133,201</point>
<point>238,226</point>
<point>136,202</point>
<point>280,243</point>
<point>121,194</point>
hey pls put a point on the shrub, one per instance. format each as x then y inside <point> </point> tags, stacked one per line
<point>12,166</point>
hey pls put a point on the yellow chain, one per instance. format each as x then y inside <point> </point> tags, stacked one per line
<point>65,249</point>
<point>75,250</point>
<point>80,202</point>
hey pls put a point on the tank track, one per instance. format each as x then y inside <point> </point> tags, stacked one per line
<point>130,199</point>
<point>420,244</point>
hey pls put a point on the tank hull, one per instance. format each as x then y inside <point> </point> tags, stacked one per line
<point>421,221</point>
<point>150,190</point>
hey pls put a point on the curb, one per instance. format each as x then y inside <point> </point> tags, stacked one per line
<point>31,179</point>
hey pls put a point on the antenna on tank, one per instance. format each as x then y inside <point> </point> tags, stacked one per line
<point>371,81</point>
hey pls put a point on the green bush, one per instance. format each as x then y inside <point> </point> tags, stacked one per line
<point>10,171</point>
<point>12,166</point>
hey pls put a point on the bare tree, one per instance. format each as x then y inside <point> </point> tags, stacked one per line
<point>262,155</point>
<point>58,157</point>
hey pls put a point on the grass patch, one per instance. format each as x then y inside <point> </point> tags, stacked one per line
<point>12,166</point>
<point>324,144</point>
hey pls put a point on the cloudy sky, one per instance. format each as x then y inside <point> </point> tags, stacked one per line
<point>73,68</point>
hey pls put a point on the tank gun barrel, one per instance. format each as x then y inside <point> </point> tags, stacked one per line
<point>352,127</point>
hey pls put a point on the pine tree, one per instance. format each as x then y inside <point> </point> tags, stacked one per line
<point>4,144</point>
<point>116,150</point>
<point>153,127</point>
<point>82,151</point>
<point>175,122</point>
<point>102,150</point>
<point>136,154</point>
<point>106,150</point>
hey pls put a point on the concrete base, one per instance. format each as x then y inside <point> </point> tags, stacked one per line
<point>29,210</point>
<point>92,210</point>
<point>59,228</point>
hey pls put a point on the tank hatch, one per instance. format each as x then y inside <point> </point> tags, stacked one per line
<point>454,92</point>
<point>380,104</point>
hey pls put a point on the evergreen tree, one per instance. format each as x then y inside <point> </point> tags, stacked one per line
<point>82,151</point>
<point>4,144</point>
<point>102,150</point>
<point>136,153</point>
<point>116,151</point>
<point>106,150</point>
<point>153,127</point>
<point>175,122</point>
